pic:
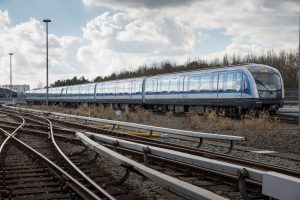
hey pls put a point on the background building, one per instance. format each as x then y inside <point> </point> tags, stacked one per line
<point>18,88</point>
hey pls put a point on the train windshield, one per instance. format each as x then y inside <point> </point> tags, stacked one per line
<point>267,81</point>
<point>268,85</point>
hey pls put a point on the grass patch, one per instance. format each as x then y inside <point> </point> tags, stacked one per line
<point>209,122</point>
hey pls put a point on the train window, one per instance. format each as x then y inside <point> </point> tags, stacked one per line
<point>174,85</point>
<point>246,85</point>
<point>104,89</point>
<point>78,90</point>
<point>82,89</point>
<point>205,83</point>
<point>136,87</point>
<point>113,88</point>
<point>215,82</point>
<point>238,83</point>
<point>150,86</point>
<point>108,88</point>
<point>229,82</point>
<point>119,88</point>
<point>221,82</point>
<point>99,89</point>
<point>126,87</point>
<point>164,85</point>
<point>91,89</point>
<point>194,83</point>
<point>123,87</point>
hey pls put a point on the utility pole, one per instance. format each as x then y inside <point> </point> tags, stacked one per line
<point>10,54</point>
<point>299,75</point>
<point>47,87</point>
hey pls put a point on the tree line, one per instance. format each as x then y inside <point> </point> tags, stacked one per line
<point>285,61</point>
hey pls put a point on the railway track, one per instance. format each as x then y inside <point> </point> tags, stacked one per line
<point>65,128</point>
<point>21,171</point>
<point>226,186</point>
<point>83,158</point>
<point>26,173</point>
<point>181,148</point>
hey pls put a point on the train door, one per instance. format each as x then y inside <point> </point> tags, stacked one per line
<point>214,87</point>
<point>238,85</point>
<point>181,89</point>
<point>60,98</point>
<point>221,87</point>
<point>245,87</point>
<point>156,90</point>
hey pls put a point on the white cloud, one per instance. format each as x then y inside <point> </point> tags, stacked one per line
<point>122,40</point>
<point>272,23</point>
<point>137,32</point>
<point>152,4</point>
<point>27,41</point>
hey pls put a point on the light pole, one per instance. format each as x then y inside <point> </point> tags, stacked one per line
<point>47,21</point>
<point>10,54</point>
<point>299,75</point>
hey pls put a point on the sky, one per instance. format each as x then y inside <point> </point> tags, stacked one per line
<point>98,37</point>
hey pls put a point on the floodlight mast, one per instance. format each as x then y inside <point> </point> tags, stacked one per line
<point>47,83</point>
<point>10,64</point>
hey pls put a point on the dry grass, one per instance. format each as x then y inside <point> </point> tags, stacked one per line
<point>212,122</point>
<point>209,122</point>
<point>261,123</point>
<point>170,115</point>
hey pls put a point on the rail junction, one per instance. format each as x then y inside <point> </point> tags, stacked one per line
<point>42,147</point>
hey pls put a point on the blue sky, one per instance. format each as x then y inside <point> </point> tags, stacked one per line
<point>98,37</point>
<point>68,16</point>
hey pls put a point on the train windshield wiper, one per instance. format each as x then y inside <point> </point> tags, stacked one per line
<point>261,83</point>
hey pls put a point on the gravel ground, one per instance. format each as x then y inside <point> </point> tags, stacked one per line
<point>142,189</point>
<point>285,139</point>
<point>278,161</point>
<point>275,136</point>
<point>145,189</point>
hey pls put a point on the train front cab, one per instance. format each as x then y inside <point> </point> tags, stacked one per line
<point>268,87</point>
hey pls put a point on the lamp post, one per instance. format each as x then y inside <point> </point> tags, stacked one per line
<point>47,21</point>
<point>10,54</point>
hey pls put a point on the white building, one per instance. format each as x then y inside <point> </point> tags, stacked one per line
<point>18,88</point>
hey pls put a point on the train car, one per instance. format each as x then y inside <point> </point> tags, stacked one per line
<point>79,94</point>
<point>126,91</point>
<point>234,89</point>
<point>227,90</point>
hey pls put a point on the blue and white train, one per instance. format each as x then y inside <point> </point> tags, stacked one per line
<point>228,89</point>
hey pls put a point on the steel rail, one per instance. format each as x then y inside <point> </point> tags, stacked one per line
<point>201,152</point>
<point>220,166</point>
<point>175,185</point>
<point>206,153</point>
<point>51,135</point>
<point>78,187</point>
<point>12,134</point>
<point>138,126</point>
<point>194,151</point>
<point>71,181</point>
<point>81,173</point>
<point>266,178</point>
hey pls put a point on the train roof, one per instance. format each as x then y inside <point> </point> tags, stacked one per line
<point>249,66</point>
<point>222,68</point>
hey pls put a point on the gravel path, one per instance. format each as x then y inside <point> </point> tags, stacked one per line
<point>285,139</point>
